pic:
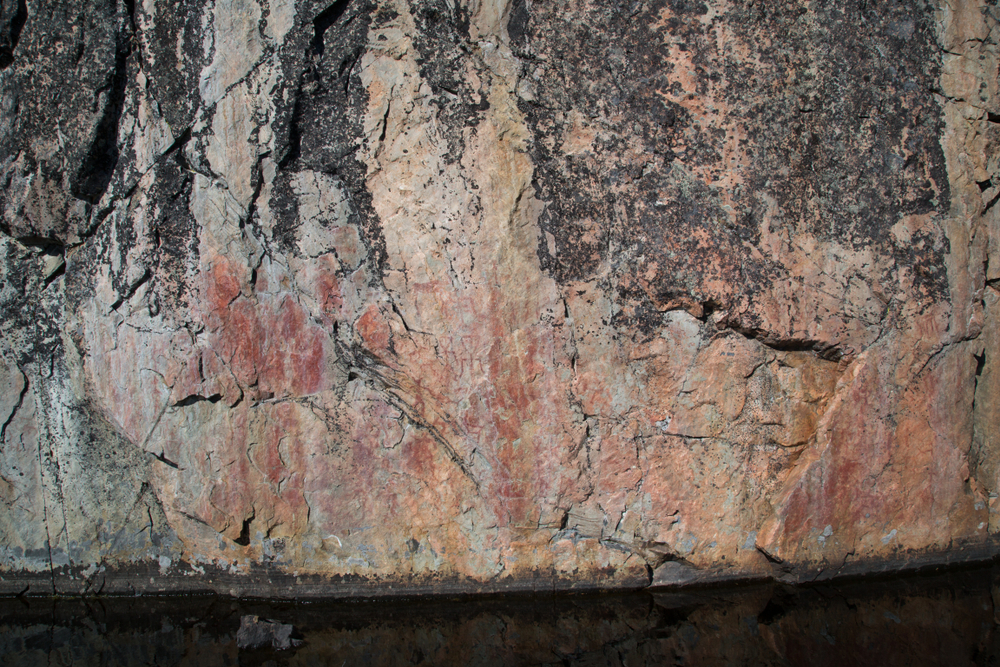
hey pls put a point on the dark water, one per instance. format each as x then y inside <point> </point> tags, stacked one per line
<point>946,619</point>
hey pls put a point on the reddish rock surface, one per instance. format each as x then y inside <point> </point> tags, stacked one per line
<point>496,295</point>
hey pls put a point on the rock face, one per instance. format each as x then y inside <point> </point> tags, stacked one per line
<point>375,295</point>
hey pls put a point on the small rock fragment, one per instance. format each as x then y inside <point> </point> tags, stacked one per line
<point>257,633</point>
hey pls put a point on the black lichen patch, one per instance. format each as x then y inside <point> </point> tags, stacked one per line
<point>668,137</point>
<point>326,125</point>
<point>442,39</point>
<point>167,250</point>
<point>29,315</point>
<point>323,21</point>
<point>608,76</point>
<point>175,236</point>
<point>842,126</point>
<point>174,78</point>
<point>62,97</point>
<point>95,171</point>
<point>284,204</point>
<point>518,27</point>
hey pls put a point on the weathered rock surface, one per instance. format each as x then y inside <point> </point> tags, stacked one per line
<point>495,294</point>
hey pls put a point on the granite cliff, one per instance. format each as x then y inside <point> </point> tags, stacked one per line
<point>316,297</point>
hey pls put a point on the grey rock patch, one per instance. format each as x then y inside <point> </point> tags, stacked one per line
<point>675,573</point>
<point>257,633</point>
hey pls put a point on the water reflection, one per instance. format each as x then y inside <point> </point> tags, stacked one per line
<point>933,620</point>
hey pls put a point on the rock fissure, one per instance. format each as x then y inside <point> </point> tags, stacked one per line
<point>17,406</point>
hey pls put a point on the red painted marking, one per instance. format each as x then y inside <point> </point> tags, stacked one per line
<point>374,331</point>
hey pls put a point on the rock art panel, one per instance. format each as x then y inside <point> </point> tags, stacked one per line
<point>304,297</point>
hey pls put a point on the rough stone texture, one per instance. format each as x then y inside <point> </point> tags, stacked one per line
<point>495,294</point>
